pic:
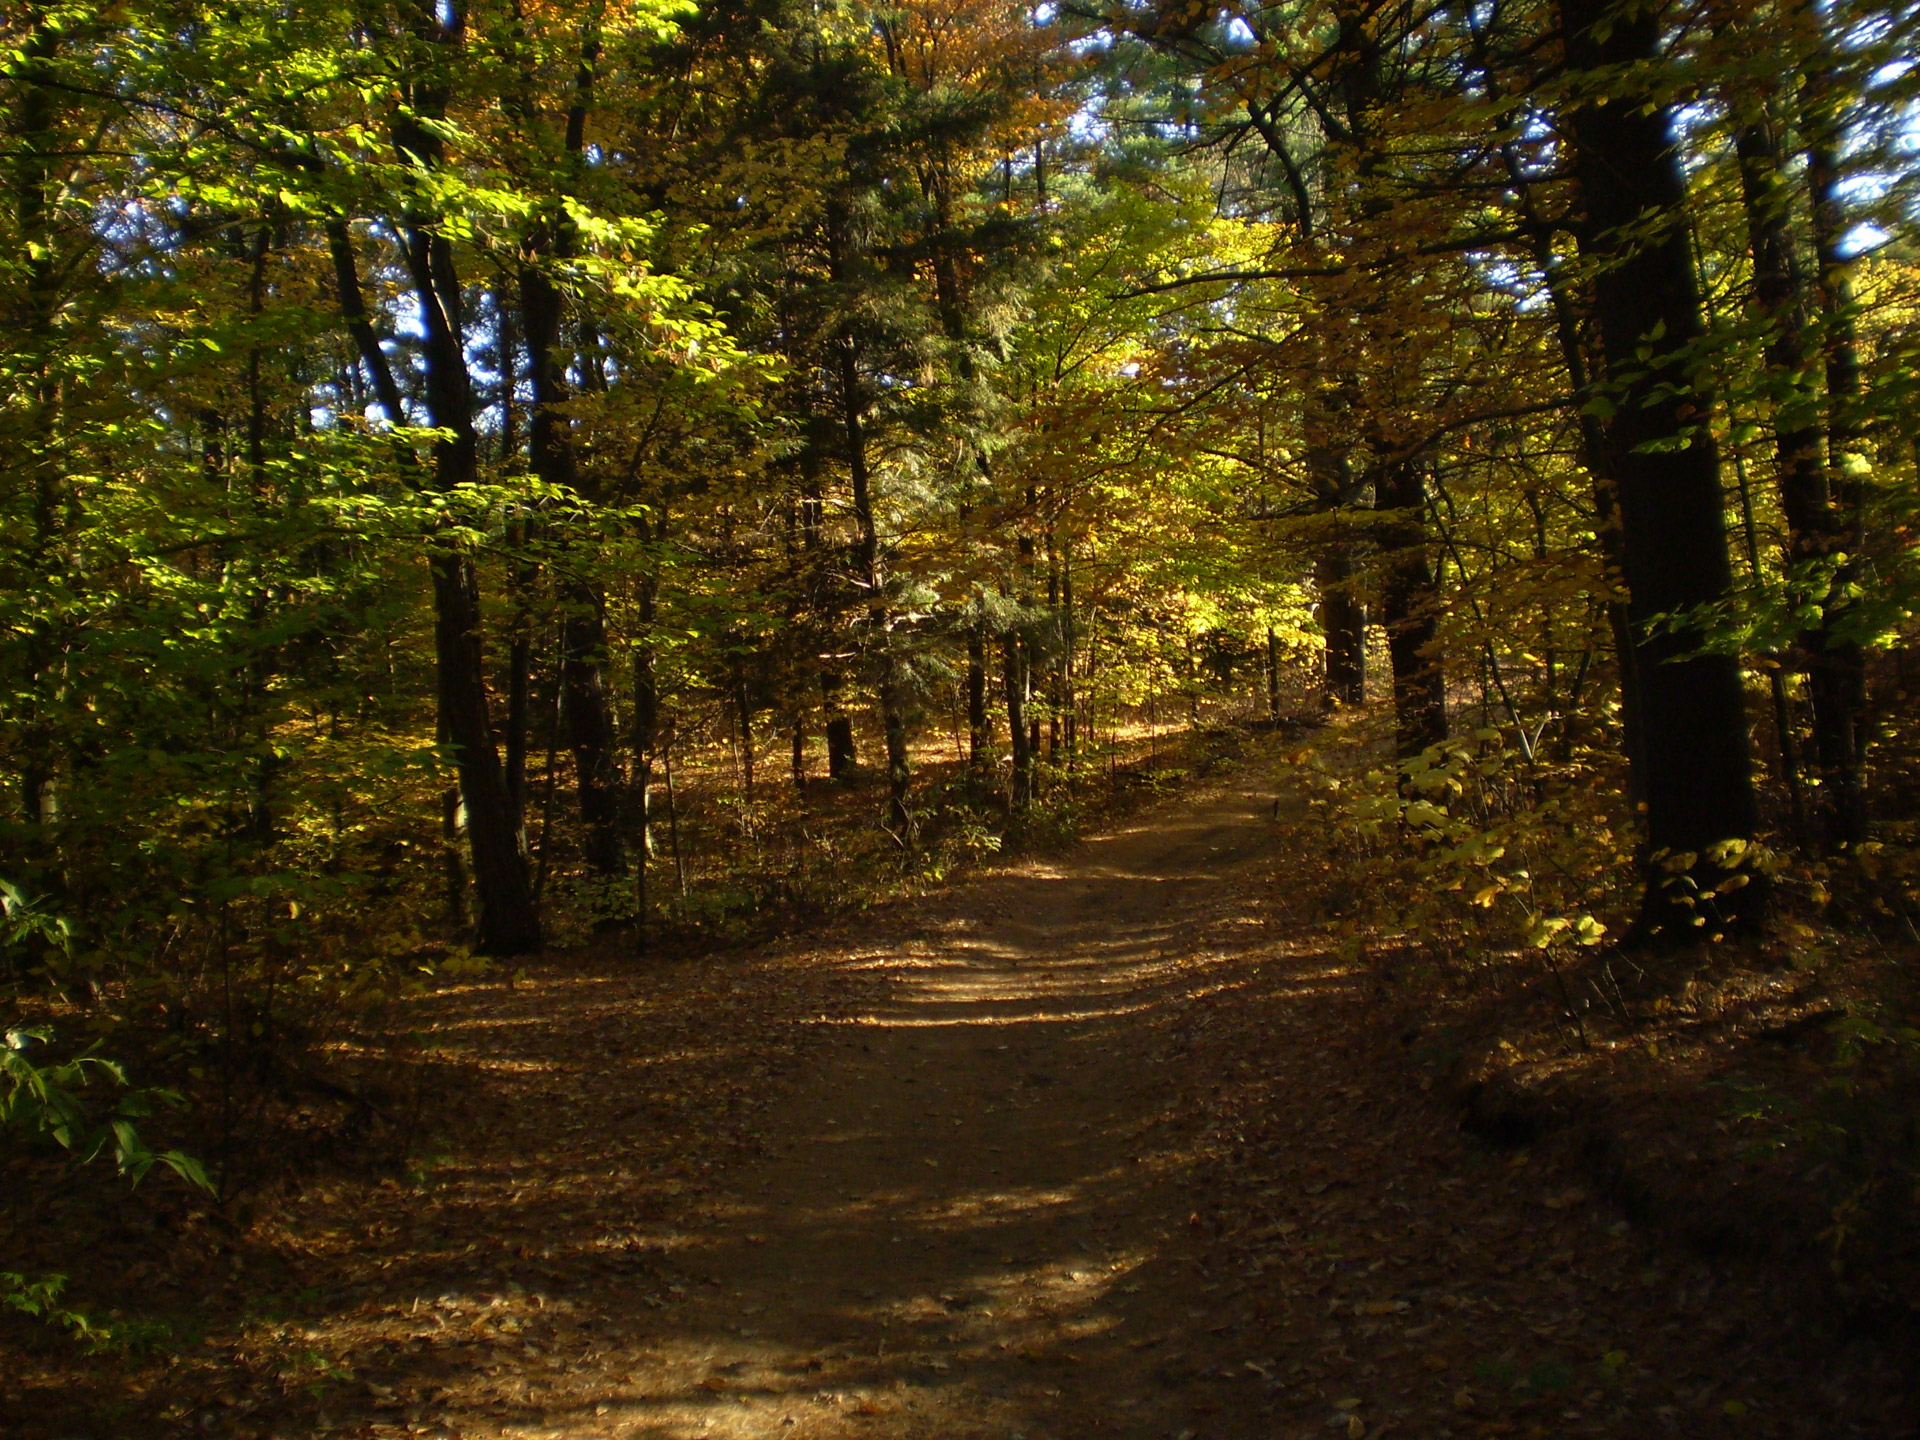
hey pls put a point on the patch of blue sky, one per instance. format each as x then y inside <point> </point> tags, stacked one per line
<point>1088,125</point>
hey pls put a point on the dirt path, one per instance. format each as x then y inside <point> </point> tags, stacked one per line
<point>1112,1148</point>
<point>963,1234</point>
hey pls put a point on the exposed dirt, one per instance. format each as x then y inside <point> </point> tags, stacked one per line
<point>1111,1145</point>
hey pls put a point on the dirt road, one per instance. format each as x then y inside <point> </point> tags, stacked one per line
<point>1103,1146</point>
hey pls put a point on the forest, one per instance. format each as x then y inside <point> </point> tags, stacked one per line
<point>598,594</point>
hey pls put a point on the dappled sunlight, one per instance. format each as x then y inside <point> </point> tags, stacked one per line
<point>937,1236</point>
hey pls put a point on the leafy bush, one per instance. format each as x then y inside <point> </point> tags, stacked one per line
<point>47,1100</point>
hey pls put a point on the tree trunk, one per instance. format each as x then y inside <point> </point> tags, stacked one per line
<point>1815,530</point>
<point>743,719</point>
<point>590,732</point>
<point>1838,672</point>
<point>522,578</point>
<point>509,922</point>
<point>1699,788</point>
<point>1013,676</point>
<point>1411,603</point>
<point>979,718</point>
<point>646,727</point>
<point>893,718</point>
<point>841,757</point>
<point>583,630</point>
<point>34,180</point>
<point>1343,620</point>
<point>1273,676</point>
<point>1594,452</point>
<point>1067,701</point>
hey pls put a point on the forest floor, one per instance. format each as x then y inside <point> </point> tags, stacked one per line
<point>1110,1143</point>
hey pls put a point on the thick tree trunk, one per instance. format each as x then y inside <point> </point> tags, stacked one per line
<point>1343,621</point>
<point>509,922</point>
<point>1594,451</point>
<point>1699,788</point>
<point>841,757</point>
<point>1411,603</point>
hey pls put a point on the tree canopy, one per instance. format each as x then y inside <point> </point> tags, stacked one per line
<point>399,397</point>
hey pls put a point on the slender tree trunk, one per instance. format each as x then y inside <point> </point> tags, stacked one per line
<point>1014,680</point>
<point>1837,669</point>
<point>523,577</point>
<point>550,454</point>
<point>743,720</point>
<point>1699,789</point>
<point>673,829</point>
<point>1273,676</point>
<point>979,718</point>
<point>1056,682</point>
<point>1068,699</point>
<point>583,628</point>
<point>1779,298</point>
<point>646,727</point>
<point>1411,603</point>
<point>591,732</point>
<point>523,574</point>
<point>33,172</point>
<point>893,718</point>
